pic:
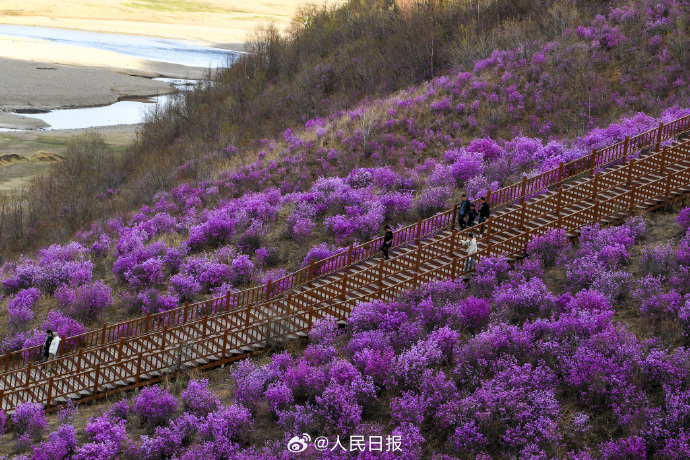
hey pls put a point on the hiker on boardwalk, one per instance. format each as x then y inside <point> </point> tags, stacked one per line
<point>484,213</point>
<point>387,242</point>
<point>464,208</point>
<point>471,215</point>
<point>53,349</point>
<point>46,347</point>
<point>471,244</point>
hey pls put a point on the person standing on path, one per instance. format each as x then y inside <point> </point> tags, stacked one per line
<point>53,349</point>
<point>471,244</point>
<point>464,208</point>
<point>484,213</point>
<point>46,346</point>
<point>387,242</point>
<point>471,215</point>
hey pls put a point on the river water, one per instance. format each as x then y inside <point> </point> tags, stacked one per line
<point>150,48</point>
<point>153,49</point>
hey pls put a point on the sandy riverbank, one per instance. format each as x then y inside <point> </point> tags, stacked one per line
<point>219,22</point>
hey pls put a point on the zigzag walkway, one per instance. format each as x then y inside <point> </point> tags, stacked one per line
<point>301,280</point>
<point>222,337</point>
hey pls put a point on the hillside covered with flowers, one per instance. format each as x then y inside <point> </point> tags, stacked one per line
<point>575,352</point>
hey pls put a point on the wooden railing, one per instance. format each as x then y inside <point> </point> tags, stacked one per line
<point>620,151</point>
<point>228,335</point>
<point>112,334</point>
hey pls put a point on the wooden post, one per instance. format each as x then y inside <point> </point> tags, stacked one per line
<point>119,351</point>
<point>268,290</point>
<point>79,357</point>
<point>225,345</point>
<point>596,186</point>
<point>558,206</point>
<point>488,230</point>
<point>2,396</point>
<point>249,309</point>
<point>658,136</point>
<point>522,215</point>
<point>453,235</point>
<point>592,162</point>
<point>349,256</point>
<point>28,374</point>
<point>488,198</point>
<point>138,368</point>
<point>186,308</point>
<point>227,301</point>
<point>632,200</point>
<point>344,287</point>
<point>663,159</point>
<point>381,273</point>
<point>626,145</point>
<point>630,171</point>
<point>560,172</point>
<point>7,360</point>
<point>98,371</point>
<point>419,231</point>
<point>311,269</point>
<point>148,321</point>
<point>419,257</point>
<point>103,334</point>
<point>489,249</point>
<point>163,336</point>
<point>524,249</point>
<point>50,391</point>
<point>451,227</point>
<point>668,186</point>
<point>524,189</point>
<point>310,320</point>
<point>289,303</point>
<point>453,270</point>
<point>596,210</point>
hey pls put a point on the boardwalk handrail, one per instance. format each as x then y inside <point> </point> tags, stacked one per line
<point>598,159</point>
<point>212,344</point>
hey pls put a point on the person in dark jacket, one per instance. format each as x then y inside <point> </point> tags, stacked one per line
<point>387,242</point>
<point>464,208</point>
<point>471,215</point>
<point>46,347</point>
<point>484,213</point>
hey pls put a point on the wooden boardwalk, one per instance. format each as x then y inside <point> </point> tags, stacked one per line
<point>600,187</point>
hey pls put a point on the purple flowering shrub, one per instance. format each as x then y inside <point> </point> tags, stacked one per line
<point>657,260</point>
<point>86,302</point>
<point>198,400</point>
<point>29,422</point>
<point>683,220</point>
<point>550,247</point>
<point>19,308</point>
<point>61,445</point>
<point>154,406</point>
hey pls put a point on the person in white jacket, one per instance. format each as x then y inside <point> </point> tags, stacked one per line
<point>471,244</point>
<point>52,351</point>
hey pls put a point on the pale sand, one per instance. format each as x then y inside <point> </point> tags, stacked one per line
<point>30,86</point>
<point>42,75</point>
<point>219,22</point>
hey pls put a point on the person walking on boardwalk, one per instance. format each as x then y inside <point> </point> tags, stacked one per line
<point>471,215</point>
<point>484,213</point>
<point>387,241</point>
<point>464,208</point>
<point>471,244</point>
<point>53,349</point>
<point>46,346</point>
